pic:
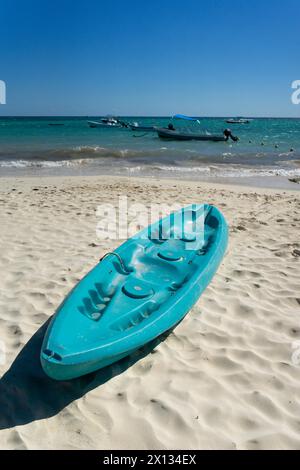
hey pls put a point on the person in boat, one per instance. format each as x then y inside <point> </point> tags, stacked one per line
<point>171,127</point>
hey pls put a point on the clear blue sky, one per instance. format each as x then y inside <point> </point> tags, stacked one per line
<point>132,57</point>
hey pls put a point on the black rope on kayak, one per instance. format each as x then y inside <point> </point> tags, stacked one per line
<point>112,253</point>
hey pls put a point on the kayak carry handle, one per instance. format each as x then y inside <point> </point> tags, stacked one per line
<point>112,253</point>
<point>52,354</point>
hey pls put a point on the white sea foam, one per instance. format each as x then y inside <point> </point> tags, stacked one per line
<point>220,171</point>
<point>216,171</point>
<point>41,164</point>
<point>89,148</point>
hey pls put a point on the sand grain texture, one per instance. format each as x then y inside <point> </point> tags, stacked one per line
<point>224,378</point>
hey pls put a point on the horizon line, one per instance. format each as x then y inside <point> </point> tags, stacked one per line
<point>137,116</point>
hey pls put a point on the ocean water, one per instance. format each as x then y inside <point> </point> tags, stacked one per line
<point>30,146</point>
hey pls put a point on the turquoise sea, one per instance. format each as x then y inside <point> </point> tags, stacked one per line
<point>32,146</point>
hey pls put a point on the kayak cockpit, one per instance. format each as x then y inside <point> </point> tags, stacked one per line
<point>129,295</point>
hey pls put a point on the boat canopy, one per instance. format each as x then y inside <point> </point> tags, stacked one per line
<point>186,118</point>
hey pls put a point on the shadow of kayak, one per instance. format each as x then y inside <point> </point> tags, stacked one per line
<point>27,394</point>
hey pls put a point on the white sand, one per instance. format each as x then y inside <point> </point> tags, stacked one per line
<point>223,379</point>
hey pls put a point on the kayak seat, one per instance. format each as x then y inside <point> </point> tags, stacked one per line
<point>166,270</point>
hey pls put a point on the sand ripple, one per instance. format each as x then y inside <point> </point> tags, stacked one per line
<point>224,378</point>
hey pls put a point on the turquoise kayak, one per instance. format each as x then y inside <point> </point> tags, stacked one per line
<point>134,294</point>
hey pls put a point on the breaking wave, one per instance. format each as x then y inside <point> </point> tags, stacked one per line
<point>218,171</point>
<point>41,164</point>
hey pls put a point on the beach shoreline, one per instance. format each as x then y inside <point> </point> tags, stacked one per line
<point>226,378</point>
<point>266,154</point>
<point>261,183</point>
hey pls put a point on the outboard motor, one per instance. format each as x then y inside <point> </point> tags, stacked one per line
<point>227,133</point>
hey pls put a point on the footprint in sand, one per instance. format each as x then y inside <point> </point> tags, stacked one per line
<point>15,330</point>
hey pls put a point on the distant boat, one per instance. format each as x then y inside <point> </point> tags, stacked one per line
<point>170,134</point>
<point>105,122</point>
<point>136,127</point>
<point>238,121</point>
<point>55,124</point>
